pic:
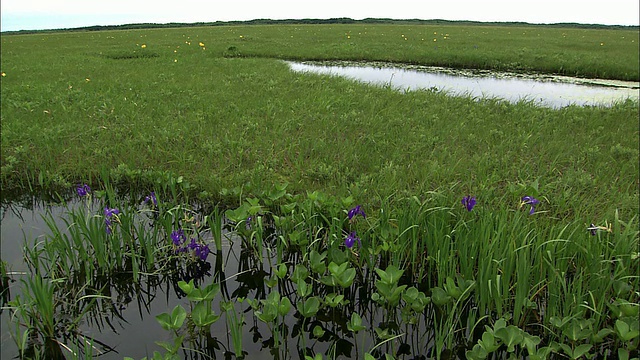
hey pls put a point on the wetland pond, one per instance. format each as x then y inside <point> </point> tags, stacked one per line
<point>108,276</point>
<point>545,90</point>
<point>122,322</point>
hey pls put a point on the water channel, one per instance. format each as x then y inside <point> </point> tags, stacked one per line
<point>544,90</point>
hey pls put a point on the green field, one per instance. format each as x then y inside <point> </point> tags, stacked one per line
<point>214,105</point>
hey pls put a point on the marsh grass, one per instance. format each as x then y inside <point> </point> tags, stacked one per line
<point>212,123</point>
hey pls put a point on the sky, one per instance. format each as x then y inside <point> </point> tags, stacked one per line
<point>58,14</point>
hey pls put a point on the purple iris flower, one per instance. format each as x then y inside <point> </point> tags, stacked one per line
<point>469,202</point>
<point>355,211</point>
<point>108,214</point>
<point>83,190</point>
<point>530,200</point>
<point>151,198</point>
<point>202,251</point>
<point>178,237</point>
<point>351,239</point>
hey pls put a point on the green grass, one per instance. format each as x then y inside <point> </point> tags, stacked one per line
<point>229,115</point>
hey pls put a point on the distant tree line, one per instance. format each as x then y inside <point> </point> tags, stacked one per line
<point>322,22</point>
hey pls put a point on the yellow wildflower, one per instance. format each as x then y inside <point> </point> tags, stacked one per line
<point>201,44</point>
<point>143,46</point>
<point>4,74</point>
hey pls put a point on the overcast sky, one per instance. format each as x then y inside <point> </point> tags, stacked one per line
<point>56,14</point>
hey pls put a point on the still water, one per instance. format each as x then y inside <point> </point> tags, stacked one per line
<point>124,323</point>
<point>130,327</point>
<point>549,91</point>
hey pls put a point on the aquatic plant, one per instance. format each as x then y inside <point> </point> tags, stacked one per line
<point>351,239</point>
<point>469,202</point>
<point>530,200</point>
<point>83,190</point>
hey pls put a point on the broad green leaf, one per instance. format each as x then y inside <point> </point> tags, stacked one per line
<point>510,336</point>
<point>581,350</point>
<point>355,324</point>
<point>316,261</point>
<point>391,275</point>
<point>309,307</point>
<point>186,287</point>
<point>488,342</point>
<point>345,279</point>
<point>439,296</point>
<point>284,307</point>
<point>300,273</point>
<point>281,271</point>
<point>202,315</point>
<point>477,353</point>
<point>318,331</point>
<point>623,354</point>
<point>624,331</point>
<point>173,321</point>
<point>210,292</point>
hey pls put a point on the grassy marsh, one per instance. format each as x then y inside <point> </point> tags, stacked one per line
<point>213,106</point>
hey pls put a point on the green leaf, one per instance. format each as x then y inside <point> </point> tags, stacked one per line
<point>300,273</point>
<point>284,307</point>
<point>477,353</point>
<point>333,299</point>
<point>623,354</point>
<point>440,297</point>
<point>581,350</point>
<point>309,307</point>
<point>336,269</point>
<point>451,288</point>
<point>186,287</point>
<point>576,331</point>
<point>346,278</point>
<point>488,342</point>
<point>355,324</point>
<point>391,275</point>
<point>510,336</point>
<point>318,331</point>
<point>304,289</point>
<point>209,292</point>
<point>410,295</point>
<point>530,342</point>
<point>281,271</point>
<point>173,321</point>
<point>624,331</point>
<point>316,261</point>
<point>600,335</point>
<point>202,315</point>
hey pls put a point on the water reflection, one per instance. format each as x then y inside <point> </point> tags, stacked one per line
<point>121,320</point>
<point>551,91</point>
